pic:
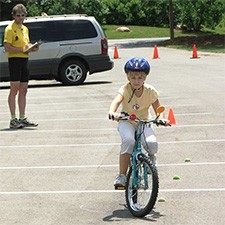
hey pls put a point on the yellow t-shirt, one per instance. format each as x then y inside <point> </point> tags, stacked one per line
<point>17,38</point>
<point>138,105</point>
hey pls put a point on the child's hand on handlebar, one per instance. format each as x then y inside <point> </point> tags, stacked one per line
<point>163,122</point>
<point>113,116</point>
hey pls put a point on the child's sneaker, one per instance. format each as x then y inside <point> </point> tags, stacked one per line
<point>120,180</point>
<point>26,123</point>
<point>15,124</point>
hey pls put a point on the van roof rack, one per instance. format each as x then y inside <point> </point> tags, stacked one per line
<point>55,16</point>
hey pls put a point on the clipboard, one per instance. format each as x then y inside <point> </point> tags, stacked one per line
<point>33,46</point>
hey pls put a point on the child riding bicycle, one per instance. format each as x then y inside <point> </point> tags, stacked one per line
<point>136,97</point>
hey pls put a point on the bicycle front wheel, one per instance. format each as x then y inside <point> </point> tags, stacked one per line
<point>141,195</point>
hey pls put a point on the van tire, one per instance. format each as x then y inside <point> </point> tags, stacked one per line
<point>73,72</point>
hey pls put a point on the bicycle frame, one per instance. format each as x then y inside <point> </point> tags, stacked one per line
<point>135,157</point>
<point>141,188</point>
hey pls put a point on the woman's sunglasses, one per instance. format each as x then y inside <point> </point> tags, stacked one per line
<point>20,15</point>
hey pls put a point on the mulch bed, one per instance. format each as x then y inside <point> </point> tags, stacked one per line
<point>209,40</point>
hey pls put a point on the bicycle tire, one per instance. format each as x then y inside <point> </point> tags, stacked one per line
<point>135,204</point>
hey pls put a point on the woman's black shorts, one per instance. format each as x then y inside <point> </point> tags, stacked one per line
<point>18,69</point>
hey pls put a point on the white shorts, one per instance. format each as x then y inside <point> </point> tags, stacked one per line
<point>127,134</point>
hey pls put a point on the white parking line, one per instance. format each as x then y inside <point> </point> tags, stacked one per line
<point>103,166</point>
<point>112,129</point>
<point>89,102</point>
<point>99,109</point>
<point>105,191</point>
<point>71,102</point>
<point>105,144</point>
<point>68,91</point>
<point>194,190</point>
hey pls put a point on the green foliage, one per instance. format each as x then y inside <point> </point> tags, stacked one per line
<point>221,26</point>
<point>95,8</point>
<point>136,12</point>
<point>198,13</point>
<point>6,8</point>
<point>50,7</point>
<point>194,14</point>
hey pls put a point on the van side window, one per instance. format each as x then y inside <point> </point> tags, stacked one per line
<point>52,32</point>
<point>36,31</point>
<point>47,31</point>
<point>2,29</point>
<point>77,29</point>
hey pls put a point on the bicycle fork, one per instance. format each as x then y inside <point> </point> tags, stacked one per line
<point>135,156</point>
<point>136,176</point>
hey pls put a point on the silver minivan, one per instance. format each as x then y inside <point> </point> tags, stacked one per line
<point>73,46</point>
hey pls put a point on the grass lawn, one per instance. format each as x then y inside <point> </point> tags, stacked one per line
<point>207,40</point>
<point>140,32</point>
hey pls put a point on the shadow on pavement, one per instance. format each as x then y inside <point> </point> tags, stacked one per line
<point>19,129</point>
<point>44,85</point>
<point>120,214</point>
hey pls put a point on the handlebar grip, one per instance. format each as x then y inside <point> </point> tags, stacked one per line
<point>111,117</point>
<point>163,123</point>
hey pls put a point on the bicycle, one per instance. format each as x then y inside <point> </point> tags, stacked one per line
<point>141,188</point>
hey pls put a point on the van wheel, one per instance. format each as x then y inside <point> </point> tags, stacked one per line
<point>73,72</point>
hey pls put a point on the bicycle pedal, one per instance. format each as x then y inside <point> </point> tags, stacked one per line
<point>120,188</point>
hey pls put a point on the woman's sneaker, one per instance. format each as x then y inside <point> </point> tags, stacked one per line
<point>120,181</point>
<point>15,124</point>
<point>27,123</point>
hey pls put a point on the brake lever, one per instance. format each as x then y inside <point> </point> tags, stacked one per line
<point>163,123</point>
<point>125,114</point>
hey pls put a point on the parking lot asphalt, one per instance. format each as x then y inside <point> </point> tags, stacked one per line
<point>62,172</point>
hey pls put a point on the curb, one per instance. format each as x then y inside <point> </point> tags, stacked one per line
<point>136,43</point>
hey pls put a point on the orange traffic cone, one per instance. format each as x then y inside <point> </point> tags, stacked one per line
<point>116,54</point>
<point>194,54</point>
<point>155,53</point>
<point>171,117</point>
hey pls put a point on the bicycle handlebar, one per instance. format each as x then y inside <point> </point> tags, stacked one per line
<point>133,117</point>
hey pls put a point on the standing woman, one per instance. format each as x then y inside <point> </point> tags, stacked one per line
<point>16,42</point>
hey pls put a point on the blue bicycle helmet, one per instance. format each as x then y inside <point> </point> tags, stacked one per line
<point>137,64</point>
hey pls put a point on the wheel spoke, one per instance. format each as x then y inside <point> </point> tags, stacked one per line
<point>74,73</point>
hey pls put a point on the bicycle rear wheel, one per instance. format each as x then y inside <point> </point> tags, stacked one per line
<point>141,199</point>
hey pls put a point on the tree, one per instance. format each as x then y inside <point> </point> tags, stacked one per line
<point>6,8</point>
<point>171,20</point>
<point>193,13</point>
<point>197,13</point>
<point>117,12</point>
<point>50,7</point>
<point>95,8</point>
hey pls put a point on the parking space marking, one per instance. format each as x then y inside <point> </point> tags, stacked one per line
<point>101,109</point>
<point>33,95</point>
<point>112,129</point>
<point>193,190</point>
<point>82,102</point>
<point>105,191</point>
<point>103,166</point>
<point>199,125</point>
<point>92,102</point>
<point>105,144</point>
